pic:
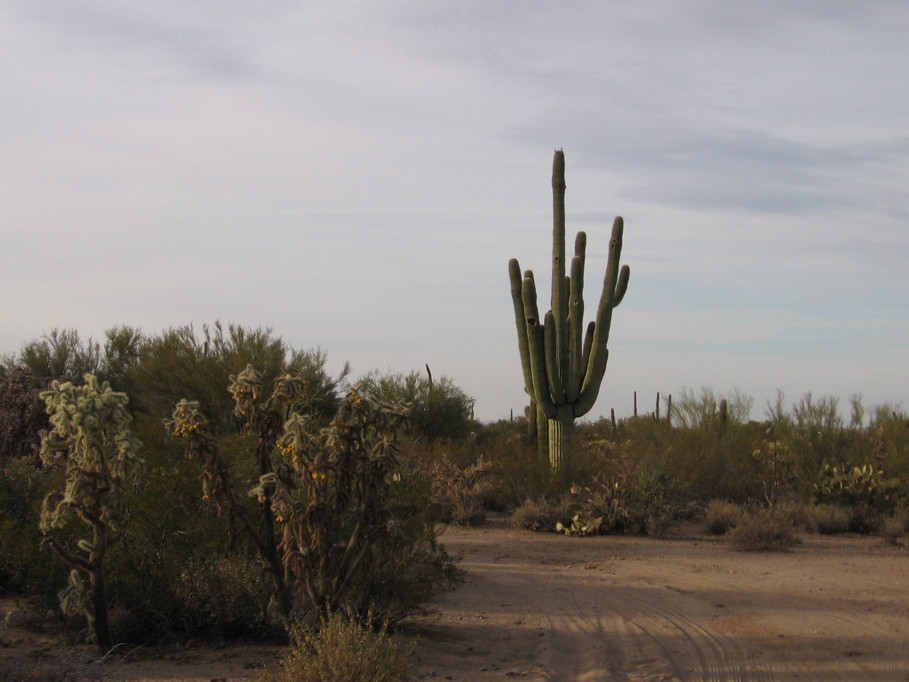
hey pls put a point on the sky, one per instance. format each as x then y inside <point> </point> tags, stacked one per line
<point>356,176</point>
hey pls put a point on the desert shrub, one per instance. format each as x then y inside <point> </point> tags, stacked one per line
<point>706,410</point>
<point>722,516</point>
<point>180,364</point>
<point>763,530</point>
<point>22,415</point>
<point>519,473</point>
<point>343,650</point>
<point>795,508</point>
<point>24,568</point>
<point>459,491</point>
<point>863,487</point>
<point>776,465</point>
<point>890,447</point>
<point>172,554</point>
<point>437,408</point>
<point>828,519</point>
<point>543,514</point>
<point>224,597</point>
<point>60,354</point>
<point>815,433</point>
<point>895,526</point>
<point>708,460</point>
<point>658,499</point>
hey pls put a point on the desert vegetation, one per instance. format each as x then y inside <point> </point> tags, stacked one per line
<point>257,495</point>
<point>220,483</point>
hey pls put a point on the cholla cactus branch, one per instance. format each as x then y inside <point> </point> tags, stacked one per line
<point>91,434</point>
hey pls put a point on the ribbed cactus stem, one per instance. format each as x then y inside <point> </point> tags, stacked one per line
<point>558,432</point>
<point>564,364</point>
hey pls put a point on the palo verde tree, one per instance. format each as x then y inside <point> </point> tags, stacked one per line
<point>564,365</point>
<point>91,435</point>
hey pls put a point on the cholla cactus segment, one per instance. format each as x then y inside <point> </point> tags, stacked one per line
<point>246,389</point>
<point>185,420</point>
<point>91,431</point>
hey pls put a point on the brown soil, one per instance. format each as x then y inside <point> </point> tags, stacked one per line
<point>540,606</point>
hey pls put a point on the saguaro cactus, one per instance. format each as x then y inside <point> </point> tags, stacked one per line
<point>564,365</point>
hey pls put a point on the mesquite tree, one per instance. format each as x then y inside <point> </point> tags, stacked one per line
<point>564,365</point>
<point>91,436</point>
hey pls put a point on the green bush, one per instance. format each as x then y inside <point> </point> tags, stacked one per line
<point>437,408</point>
<point>173,554</point>
<point>179,364</point>
<point>60,354</point>
<point>658,500</point>
<point>24,567</point>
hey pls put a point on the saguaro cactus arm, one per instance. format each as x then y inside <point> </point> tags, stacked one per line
<point>615,284</point>
<point>517,299</point>
<point>537,351</point>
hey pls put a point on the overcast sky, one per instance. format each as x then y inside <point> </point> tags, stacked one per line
<point>356,175</point>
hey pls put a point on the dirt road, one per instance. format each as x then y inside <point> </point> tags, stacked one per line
<point>546,607</point>
<point>540,606</point>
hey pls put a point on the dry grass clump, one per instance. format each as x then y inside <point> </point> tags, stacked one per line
<point>763,530</point>
<point>542,514</point>
<point>894,527</point>
<point>829,519</point>
<point>722,516</point>
<point>342,650</point>
<point>461,491</point>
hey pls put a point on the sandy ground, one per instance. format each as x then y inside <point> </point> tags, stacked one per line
<point>547,607</point>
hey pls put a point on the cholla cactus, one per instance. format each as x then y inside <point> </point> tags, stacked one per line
<point>264,416</point>
<point>91,435</point>
<point>335,521</point>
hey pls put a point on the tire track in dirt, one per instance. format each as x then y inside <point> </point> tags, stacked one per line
<point>601,629</point>
<point>544,607</point>
<point>567,622</point>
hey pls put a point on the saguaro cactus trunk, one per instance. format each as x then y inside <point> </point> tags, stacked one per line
<point>563,365</point>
